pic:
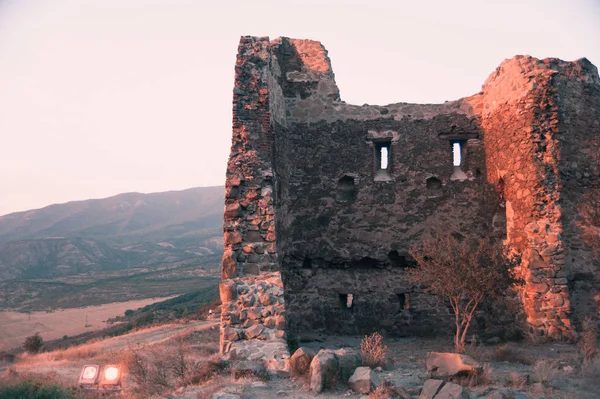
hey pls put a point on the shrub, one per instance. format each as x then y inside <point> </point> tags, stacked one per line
<point>33,343</point>
<point>33,389</point>
<point>373,351</point>
<point>546,371</point>
<point>463,272</point>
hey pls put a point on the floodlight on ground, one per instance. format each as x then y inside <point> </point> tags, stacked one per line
<point>111,377</point>
<point>89,375</point>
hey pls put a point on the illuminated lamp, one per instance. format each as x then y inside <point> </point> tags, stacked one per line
<point>111,377</point>
<point>89,375</point>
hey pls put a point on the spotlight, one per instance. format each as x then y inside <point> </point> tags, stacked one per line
<point>89,375</point>
<point>111,377</point>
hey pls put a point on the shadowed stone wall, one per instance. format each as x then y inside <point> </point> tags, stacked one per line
<point>309,202</point>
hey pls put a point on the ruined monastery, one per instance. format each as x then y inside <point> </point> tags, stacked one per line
<point>324,199</point>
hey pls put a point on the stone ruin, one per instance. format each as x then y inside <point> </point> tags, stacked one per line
<point>324,199</point>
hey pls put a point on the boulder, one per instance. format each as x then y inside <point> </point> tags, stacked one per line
<point>443,365</point>
<point>451,391</point>
<point>300,360</point>
<point>363,380</point>
<point>247,368</point>
<point>348,360</point>
<point>431,388</point>
<point>323,371</point>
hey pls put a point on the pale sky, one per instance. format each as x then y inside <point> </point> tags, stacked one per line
<point>100,97</point>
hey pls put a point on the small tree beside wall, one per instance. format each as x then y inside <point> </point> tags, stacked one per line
<point>463,272</point>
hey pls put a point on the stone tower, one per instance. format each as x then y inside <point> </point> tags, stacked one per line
<point>324,198</point>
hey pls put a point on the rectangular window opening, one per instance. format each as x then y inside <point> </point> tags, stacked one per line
<point>383,153</point>
<point>347,301</point>
<point>403,301</point>
<point>383,150</point>
<point>456,153</point>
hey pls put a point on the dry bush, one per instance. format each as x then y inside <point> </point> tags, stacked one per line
<point>517,381</point>
<point>388,391</point>
<point>588,343</point>
<point>159,369</point>
<point>470,380</point>
<point>546,371</point>
<point>464,272</point>
<point>373,350</point>
<point>138,366</point>
<point>208,370</point>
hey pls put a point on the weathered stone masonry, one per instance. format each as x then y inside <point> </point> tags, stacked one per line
<point>317,229</point>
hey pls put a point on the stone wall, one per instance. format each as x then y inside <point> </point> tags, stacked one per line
<point>578,100</point>
<point>307,197</point>
<point>251,291</point>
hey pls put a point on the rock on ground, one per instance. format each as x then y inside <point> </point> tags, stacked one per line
<point>451,391</point>
<point>450,364</point>
<point>363,380</point>
<point>438,389</point>
<point>300,360</point>
<point>431,388</point>
<point>348,360</point>
<point>323,371</point>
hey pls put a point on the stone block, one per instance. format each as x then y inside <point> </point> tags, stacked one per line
<point>430,388</point>
<point>452,391</point>
<point>363,380</point>
<point>445,365</point>
<point>255,331</point>
<point>348,360</point>
<point>228,291</point>
<point>323,370</point>
<point>301,359</point>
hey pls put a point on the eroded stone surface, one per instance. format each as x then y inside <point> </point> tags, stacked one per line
<point>443,365</point>
<point>309,204</point>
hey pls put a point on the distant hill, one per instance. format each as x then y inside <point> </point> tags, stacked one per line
<point>125,231</point>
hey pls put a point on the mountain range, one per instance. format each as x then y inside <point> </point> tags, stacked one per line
<point>128,230</point>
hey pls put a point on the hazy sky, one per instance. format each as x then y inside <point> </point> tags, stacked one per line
<point>99,97</point>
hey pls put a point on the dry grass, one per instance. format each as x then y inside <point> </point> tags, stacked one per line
<point>166,367</point>
<point>482,378</point>
<point>373,350</point>
<point>546,371</point>
<point>504,353</point>
<point>388,391</point>
<point>517,381</point>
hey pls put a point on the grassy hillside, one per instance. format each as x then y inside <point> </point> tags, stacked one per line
<point>127,231</point>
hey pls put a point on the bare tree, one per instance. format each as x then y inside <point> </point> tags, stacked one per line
<point>463,272</point>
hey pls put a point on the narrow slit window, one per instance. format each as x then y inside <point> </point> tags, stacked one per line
<point>347,301</point>
<point>456,154</point>
<point>403,301</point>
<point>383,154</point>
